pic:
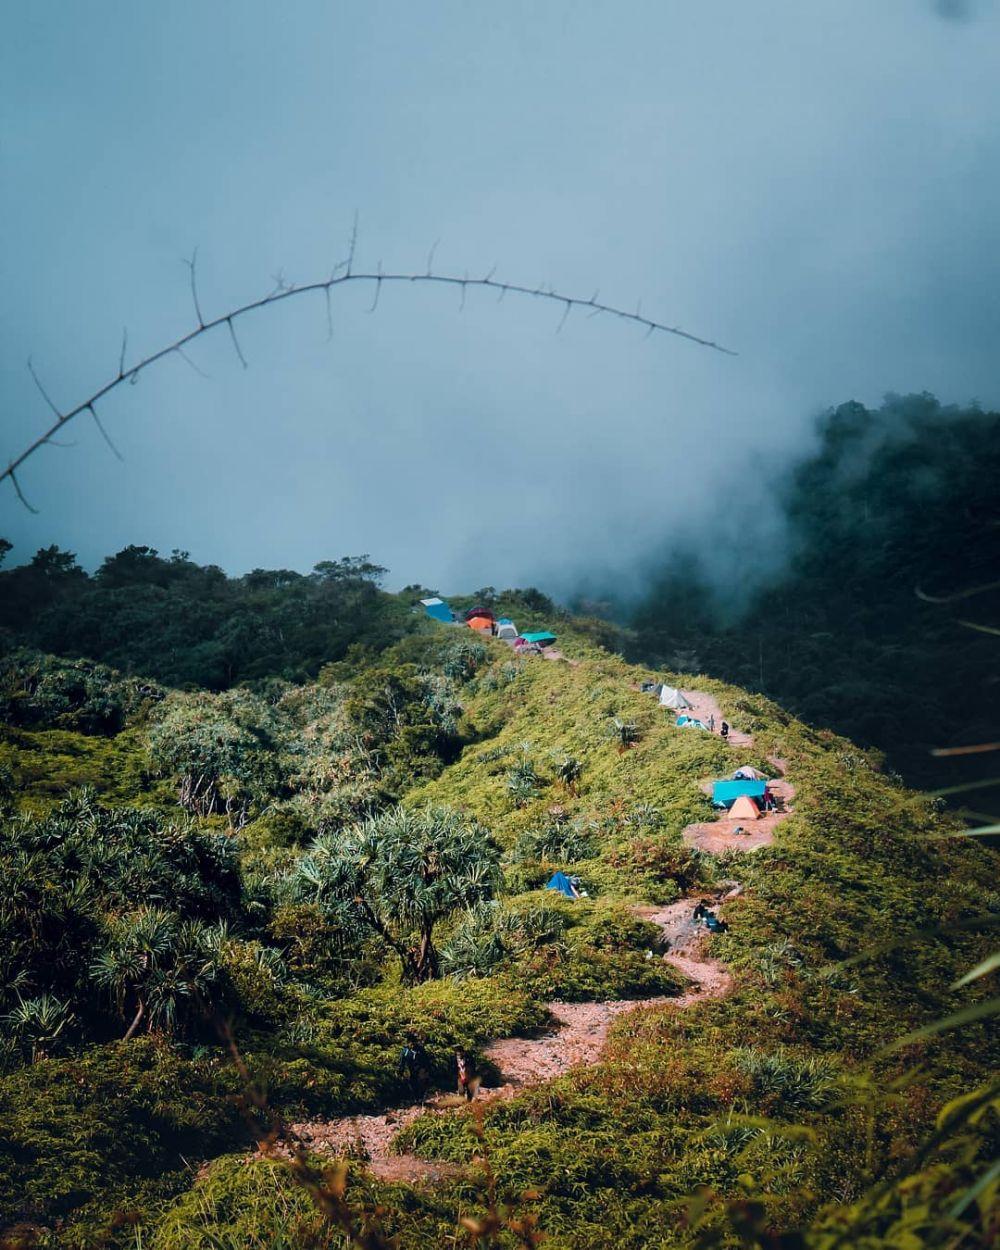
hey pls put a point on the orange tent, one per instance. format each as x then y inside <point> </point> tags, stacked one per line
<point>744,809</point>
<point>480,622</point>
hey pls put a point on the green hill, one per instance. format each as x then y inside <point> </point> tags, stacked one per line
<point>263,892</point>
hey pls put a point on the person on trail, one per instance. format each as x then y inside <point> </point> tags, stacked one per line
<point>701,911</point>
<point>711,723</point>
<point>412,1060</point>
<point>465,1086</point>
<point>724,729</point>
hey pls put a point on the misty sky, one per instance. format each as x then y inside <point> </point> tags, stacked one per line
<point>816,185</point>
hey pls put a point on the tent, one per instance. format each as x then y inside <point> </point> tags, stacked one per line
<point>690,722</point>
<point>506,629</point>
<point>484,623</point>
<point>746,773</point>
<point>559,881</point>
<point>438,609</point>
<point>543,638</point>
<point>726,792</point>
<point>672,697</point>
<point>744,809</point>
<point>479,612</point>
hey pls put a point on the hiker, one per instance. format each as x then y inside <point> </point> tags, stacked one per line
<point>412,1060</point>
<point>701,911</point>
<point>465,1086</point>
<point>711,723</point>
<point>724,729</point>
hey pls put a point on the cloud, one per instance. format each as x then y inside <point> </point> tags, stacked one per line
<point>954,10</point>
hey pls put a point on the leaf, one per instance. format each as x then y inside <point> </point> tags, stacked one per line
<point>972,1193</point>
<point>980,970</point>
<point>968,1015</point>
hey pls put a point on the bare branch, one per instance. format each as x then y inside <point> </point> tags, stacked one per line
<point>354,243</point>
<point>44,393</point>
<point>20,493</point>
<point>378,288</point>
<point>192,265</point>
<point>285,291</point>
<point>329,312</point>
<point>430,257</point>
<point>121,356</point>
<point>562,319</point>
<point>465,283</point>
<point>188,361</point>
<point>236,342</point>
<point>107,437</point>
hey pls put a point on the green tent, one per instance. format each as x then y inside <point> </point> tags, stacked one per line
<point>543,638</point>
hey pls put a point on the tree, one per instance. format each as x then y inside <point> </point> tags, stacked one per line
<point>154,966</point>
<point>403,872</point>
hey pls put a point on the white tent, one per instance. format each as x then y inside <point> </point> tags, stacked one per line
<point>507,630</point>
<point>671,697</point>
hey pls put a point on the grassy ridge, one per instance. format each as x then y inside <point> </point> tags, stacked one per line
<point>770,1091</point>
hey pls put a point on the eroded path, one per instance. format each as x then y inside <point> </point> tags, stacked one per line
<point>577,1040</point>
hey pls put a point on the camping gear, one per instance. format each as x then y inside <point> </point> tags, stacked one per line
<point>506,629</point>
<point>651,687</point>
<point>542,637</point>
<point>690,722</point>
<point>559,881</point>
<point>746,773</point>
<point>714,925</point>
<point>744,809</point>
<point>479,612</point>
<point>483,623</point>
<point>670,696</point>
<point>438,609</point>
<point>726,792</point>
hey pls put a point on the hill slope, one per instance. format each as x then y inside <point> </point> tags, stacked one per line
<point>209,892</point>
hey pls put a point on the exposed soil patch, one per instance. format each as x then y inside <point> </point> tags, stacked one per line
<point>720,835</point>
<point>705,707</point>
<point>577,1038</point>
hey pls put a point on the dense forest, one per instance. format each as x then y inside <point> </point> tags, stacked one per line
<point>870,627</point>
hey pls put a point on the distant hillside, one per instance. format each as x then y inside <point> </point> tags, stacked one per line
<point>895,501</point>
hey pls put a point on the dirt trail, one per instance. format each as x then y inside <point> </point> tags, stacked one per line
<point>720,834</point>
<point>705,707</point>
<point>577,1040</point>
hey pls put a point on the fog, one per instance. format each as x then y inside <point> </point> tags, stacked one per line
<point>815,186</point>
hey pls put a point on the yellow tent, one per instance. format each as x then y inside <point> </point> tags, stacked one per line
<point>744,809</point>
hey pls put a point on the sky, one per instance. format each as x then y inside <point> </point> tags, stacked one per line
<point>815,186</point>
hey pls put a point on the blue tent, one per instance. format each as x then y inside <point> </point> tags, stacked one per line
<point>726,792</point>
<point>543,638</point>
<point>559,881</point>
<point>690,722</point>
<point>438,609</point>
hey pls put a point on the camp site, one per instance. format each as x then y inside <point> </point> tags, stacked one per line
<point>500,625</point>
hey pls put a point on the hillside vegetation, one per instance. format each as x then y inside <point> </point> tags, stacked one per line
<point>892,502</point>
<point>228,906</point>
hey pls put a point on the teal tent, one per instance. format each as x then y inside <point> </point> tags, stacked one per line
<point>438,610</point>
<point>690,722</point>
<point>726,792</point>
<point>543,638</point>
<point>559,881</point>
